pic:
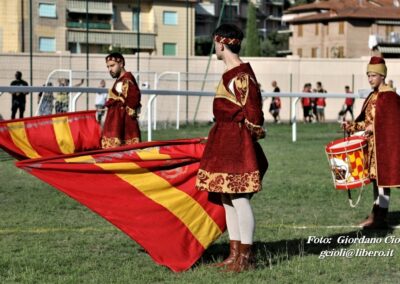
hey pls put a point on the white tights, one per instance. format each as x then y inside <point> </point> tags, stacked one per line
<point>381,196</point>
<point>239,217</point>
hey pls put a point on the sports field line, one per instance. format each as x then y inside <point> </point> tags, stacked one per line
<point>110,229</point>
<point>306,227</point>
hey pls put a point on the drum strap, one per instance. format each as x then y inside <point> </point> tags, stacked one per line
<point>353,205</point>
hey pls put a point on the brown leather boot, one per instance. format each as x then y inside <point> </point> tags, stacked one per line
<point>370,219</point>
<point>233,255</point>
<point>379,220</point>
<point>245,260</point>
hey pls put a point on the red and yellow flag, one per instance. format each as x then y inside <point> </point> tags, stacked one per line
<point>146,190</point>
<point>46,136</point>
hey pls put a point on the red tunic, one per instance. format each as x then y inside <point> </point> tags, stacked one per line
<point>386,135</point>
<point>121,126</point>
<point>233,162</point>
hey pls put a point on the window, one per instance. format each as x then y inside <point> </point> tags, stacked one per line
<point>340,52</point>
<point>47,44</point>
<point>47,10</point>
<point>135,19</point>
<point>170,18</point>
<point>314,52</point>
<point>327,29</point>
<point>389,30</point>
<point>341,28</point>
<point>169,49</point>
<point>300,52</point>
<point>316,29</point>
<point>300,30</point>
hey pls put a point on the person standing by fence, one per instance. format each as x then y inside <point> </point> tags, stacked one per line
<point>62,98</point>
<point>46,101</point>
<point>18,101</point>
<point>233,163</point>
<point>320,104</point>
<point>121,125</point>
<point>306,104</point>
<point>347,106</point>
<point>275,106</point>
<point>100,102</point>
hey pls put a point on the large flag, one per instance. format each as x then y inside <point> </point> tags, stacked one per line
<point>146,190</point>
<point>50,135</point>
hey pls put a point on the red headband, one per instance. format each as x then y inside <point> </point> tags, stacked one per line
<point>113,58</point>
<point>226,40</point>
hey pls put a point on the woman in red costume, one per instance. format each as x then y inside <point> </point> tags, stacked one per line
<point>233,163</point>
<point>379,119</point>
<point>121,125</point>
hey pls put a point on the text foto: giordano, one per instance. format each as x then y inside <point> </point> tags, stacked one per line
<point>366,240</point>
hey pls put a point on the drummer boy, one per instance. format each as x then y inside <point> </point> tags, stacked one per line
<point>379,118</point>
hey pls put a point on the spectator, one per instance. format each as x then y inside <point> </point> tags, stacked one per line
<point>320,103</point>
<point>46,101</point>
<point>62,98</point>
<point>275,105</point>
<point>306,103</point>
<point>100,102</point>
<point>391,85</point>
<point>347,106</point>
<point>19,98</point>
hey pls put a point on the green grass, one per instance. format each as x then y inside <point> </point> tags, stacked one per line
<point>46,237</point>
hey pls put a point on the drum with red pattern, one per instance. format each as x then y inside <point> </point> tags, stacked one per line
<point>348,160</point>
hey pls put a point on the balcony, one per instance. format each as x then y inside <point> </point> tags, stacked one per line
<point>95,7</point>
<point>82,25</point>
<point>115,38</point>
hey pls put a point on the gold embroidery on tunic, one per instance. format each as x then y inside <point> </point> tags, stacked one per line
<point>110,142</point>
<point>242,86</point>
<point>228,182</point>
<point>222,93</point>
<point>116,97</point>
<point>132,141</point>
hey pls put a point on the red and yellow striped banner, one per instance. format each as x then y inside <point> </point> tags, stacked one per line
<point>51,135</point>
<point>147,190</point>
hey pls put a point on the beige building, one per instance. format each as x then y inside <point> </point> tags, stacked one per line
<point>156,27</point>
<point>345,28</point>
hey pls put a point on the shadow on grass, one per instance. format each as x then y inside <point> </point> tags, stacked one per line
<point>394,218</point>
<point>272,253</point>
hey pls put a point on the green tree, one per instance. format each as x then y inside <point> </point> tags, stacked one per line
<point>273,43</point>
<point>252,47</point>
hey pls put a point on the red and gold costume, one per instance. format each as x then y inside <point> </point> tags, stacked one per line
<point>233,162</point>
<point>121,126</point>
<point>382,110</point>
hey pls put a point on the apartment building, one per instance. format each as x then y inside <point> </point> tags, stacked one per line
<point>345,28</point>
<point>269,16</point>
<point>163,27</point>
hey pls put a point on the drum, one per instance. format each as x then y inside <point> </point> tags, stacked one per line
<point>348,159</point>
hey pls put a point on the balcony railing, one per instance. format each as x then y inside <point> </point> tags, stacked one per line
<point>96,26</point>
<point>114,38</point>
<point>392,38</point>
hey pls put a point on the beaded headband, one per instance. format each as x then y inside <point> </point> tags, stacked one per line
<point>226,40</point>
<point>115,58</point>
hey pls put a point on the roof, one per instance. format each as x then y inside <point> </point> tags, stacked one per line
<point>335,10</point>
<point>339,4</point>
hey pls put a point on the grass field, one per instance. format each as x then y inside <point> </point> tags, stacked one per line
<point>46,237</point>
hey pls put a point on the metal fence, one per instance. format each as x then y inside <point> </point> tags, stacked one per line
<point>154,93</point>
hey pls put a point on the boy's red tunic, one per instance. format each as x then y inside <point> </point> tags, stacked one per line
<point>233,162</point>
<point>384,144</point>
<point>121,126</point>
